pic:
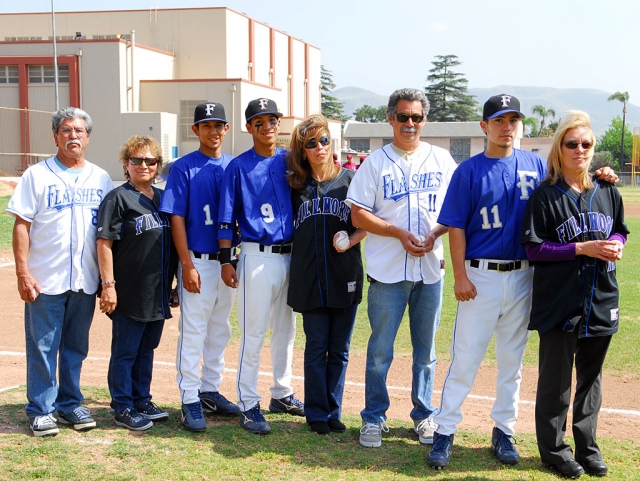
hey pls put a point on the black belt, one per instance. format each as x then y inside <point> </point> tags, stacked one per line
<point>212,257</point>
<point>498,266</point>
<point>278,249</point>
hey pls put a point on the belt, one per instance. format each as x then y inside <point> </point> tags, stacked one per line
<point>200,255</point>
<point>278,249</point>
<point>499,266</point>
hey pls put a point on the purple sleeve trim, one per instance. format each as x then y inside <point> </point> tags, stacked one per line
<point>550,251</point>
<point>619,237</point>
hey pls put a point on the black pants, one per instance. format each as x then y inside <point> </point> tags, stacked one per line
<point>556,358</point>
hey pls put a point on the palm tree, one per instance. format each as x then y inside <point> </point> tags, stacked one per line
<point>624,98</point>
<point>543,112</point>
<point>533,123</point>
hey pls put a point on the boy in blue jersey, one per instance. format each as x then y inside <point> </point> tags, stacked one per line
<point>484,208</point>
<point>191,197</point>
<point>256,195</point>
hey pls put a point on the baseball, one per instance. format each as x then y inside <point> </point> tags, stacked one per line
<point>420,239</point>
<point>343,241</point>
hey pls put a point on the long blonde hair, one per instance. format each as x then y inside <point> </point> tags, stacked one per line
<point>573,119</point>
<point>299,169</point>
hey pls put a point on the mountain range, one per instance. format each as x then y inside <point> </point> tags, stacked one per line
<point>592,101</point>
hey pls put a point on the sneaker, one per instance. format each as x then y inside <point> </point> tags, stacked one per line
<point>254,422</point>
<point>425,428</point>
<point>193,417</point>
<point>371,434</point>
<point>80,418</point>
<point>216,403</point>
<point>130,418</point>
<point>289,405</point>
<point>44,425</point>
<point>440,453</point>
<point>503,447</point>
<point>149,410</point>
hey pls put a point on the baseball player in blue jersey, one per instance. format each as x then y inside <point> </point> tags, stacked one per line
<point>484,208</point>
<point>192,197</point>
<point>256,195</point>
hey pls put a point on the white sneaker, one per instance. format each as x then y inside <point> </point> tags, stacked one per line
<point>425,428</point>
<point>371,434</point>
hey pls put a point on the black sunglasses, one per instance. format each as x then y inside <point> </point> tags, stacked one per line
<point>415,117</point>
<point>313,143</point>
<point>139,160</point>
<point>572,144</point>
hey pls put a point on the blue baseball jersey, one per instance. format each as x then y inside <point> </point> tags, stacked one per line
<point>256,195</point>
<point>487,197</point>
<point>193,192</point>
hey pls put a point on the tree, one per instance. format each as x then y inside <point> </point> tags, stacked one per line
<point>367,113</point>
<point>611,141</point>
<point>543,112</point>
<point>624,98</point>
<point>330,107</point>
<point>530,123</point>
<point>448,93</point>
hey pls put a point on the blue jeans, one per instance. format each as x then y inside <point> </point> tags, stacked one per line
<point>326,354</point>
<point>56,331</point>
<point>387,303</point>
<point>131,363</point>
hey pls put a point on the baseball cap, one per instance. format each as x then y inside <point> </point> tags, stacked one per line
<point>349,156</point>
<point>209,111</point>
<point>335,156</point>
<point>501,104</point>
<point>260,107</point>
<point>362,157</point>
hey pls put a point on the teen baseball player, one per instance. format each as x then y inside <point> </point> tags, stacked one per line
<point>192,197</point>
<point>256,195</point>
<point>396,196</point>
<point>484,208</point>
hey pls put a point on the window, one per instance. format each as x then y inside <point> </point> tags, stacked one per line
<point>8,74</point>
<point>360,145</point>
<point>45,74</point>
<point>460,149</point>
<point>186,118</point>
<point>387,142</point>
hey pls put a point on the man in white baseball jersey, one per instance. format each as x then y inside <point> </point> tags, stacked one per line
<point>396,196</point>
<point>55,205</point>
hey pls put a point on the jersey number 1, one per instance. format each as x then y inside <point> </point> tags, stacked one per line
<point>207,215</point>
<point>485,218</point>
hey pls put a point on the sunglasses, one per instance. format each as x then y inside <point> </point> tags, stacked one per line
<point>138,160</point>
<point>572,144</point>
<point>313,143</point>
<point>416,118</point>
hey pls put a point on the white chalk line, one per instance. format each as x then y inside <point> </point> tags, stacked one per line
<point>8,265</point>
<point>624,412</point>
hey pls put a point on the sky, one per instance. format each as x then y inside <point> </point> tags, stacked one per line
<point>382,45</point>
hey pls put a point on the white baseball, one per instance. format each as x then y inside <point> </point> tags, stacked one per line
<point>343,241</point>
<point>420,239</point>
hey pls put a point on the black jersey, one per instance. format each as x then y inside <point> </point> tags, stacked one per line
<point>580,293</point>
<point>143,257</point>
<point>320,276</point>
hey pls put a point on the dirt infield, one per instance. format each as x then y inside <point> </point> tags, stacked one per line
<point>620,392</point>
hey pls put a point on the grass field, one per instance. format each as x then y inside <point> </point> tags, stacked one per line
<point>225,452</point>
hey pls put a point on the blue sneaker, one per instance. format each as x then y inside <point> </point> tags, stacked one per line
<point>216,403</point>
<point>131,419</point>
<point>289,405</point>
<point>79,418</point>
<point>44,425</point>
<point>193,418</point>
<point>149,410</point>
<point>254,422</point>
<point>503,447</point>
<point>440,454</point>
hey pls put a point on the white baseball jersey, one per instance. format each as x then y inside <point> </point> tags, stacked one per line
<point>63,213</point>
<point>409,196</point>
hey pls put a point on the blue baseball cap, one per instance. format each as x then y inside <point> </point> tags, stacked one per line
<point>260,107</point>
<point>499,105</point>
<point>209,111</point>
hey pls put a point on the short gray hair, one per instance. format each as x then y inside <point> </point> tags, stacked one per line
<point>410,95</point>
<point>70,113</point>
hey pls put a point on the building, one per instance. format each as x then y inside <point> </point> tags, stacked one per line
<point>143,72</point>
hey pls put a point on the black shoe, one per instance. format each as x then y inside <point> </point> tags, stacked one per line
<point>216,403</point>
<point>440,454</point>
<point>503,447</point>
<point>569,469</point>
<point>149,410</point>
<point>336,426</point>
<point>131,419</point>
<point>289,405</point>
<point>319,427</point>
<point>595,468</point>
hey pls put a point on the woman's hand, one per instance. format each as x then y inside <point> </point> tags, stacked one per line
<point>108,298</point>
<point>601,249</point>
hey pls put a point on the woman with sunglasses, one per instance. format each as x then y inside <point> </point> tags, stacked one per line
<point>326,274</point>
<point>575,232</point>
<point>137,264</point>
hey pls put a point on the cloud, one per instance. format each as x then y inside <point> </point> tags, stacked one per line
<point>439,27</point>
